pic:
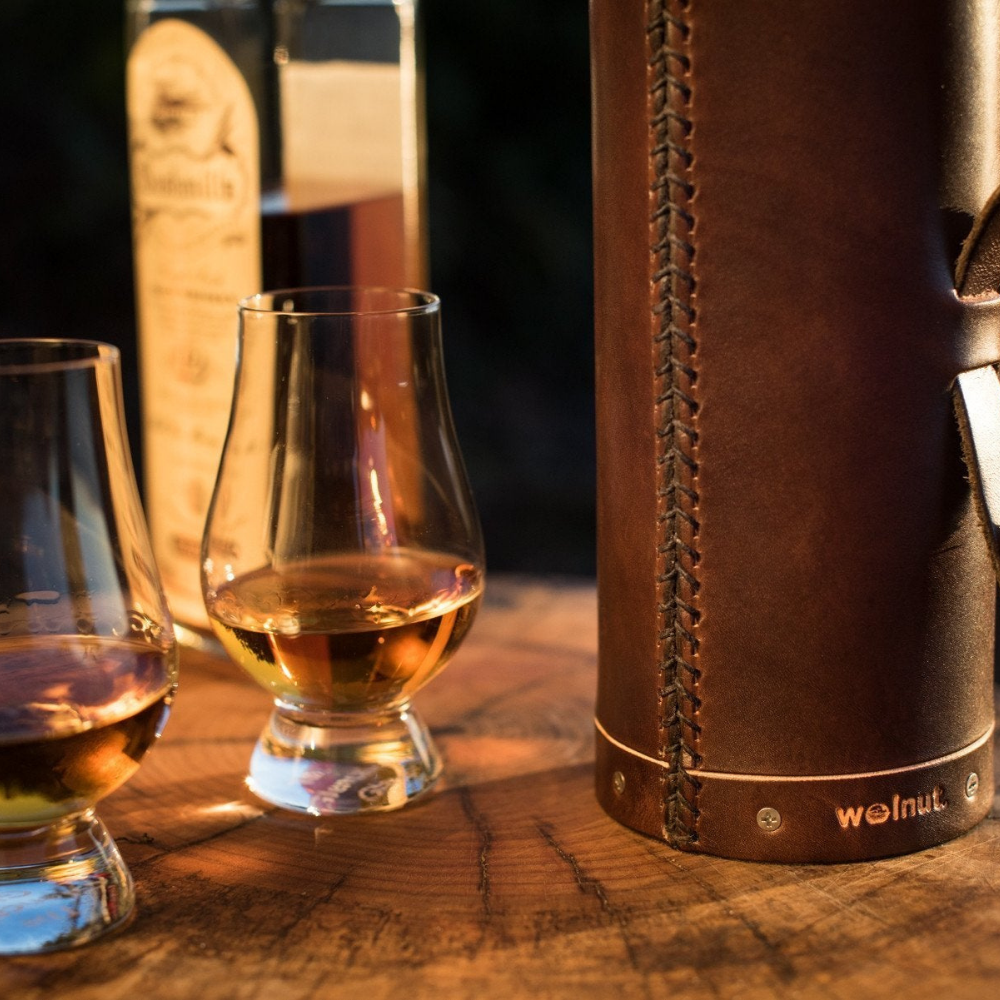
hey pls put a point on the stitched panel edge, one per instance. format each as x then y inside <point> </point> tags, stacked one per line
<point>672,298</point>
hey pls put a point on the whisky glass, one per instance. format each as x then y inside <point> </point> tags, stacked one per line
<point>343,559</point>
<point>87,653</point>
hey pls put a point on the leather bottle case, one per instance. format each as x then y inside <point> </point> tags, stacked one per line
<point>795,275</point>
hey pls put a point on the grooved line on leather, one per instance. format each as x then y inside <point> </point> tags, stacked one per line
<point>672,299</point>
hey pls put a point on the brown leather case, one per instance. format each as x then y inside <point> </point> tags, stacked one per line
<point>796,599</point>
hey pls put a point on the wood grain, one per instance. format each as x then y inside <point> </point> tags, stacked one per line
<point>507,882</point>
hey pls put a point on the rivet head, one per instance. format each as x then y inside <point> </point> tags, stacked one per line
<point>971,785</point>
<point>618,781</point>
<point>769,819</point>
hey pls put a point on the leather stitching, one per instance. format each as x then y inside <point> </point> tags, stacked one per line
<point>674,347</point>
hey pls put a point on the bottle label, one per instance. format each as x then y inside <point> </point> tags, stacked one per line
<point>194,154</point>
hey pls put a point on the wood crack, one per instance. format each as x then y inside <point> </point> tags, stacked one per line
<point>188,844</point>
<point>779,963</point>
<point>485,835</point>
<point>589,885</point>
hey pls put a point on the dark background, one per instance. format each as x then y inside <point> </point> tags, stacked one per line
<point>509,180</point>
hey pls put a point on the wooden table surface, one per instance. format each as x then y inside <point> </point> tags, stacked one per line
<point>509,881</point>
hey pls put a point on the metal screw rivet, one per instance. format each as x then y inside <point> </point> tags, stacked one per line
<point>769,819</point>
<point>618,780</point>
<point>971,785</point>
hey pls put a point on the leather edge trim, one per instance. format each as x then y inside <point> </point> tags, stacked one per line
<point>842,819</point>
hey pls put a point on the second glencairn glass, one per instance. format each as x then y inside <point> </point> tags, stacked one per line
<point>343,559</point>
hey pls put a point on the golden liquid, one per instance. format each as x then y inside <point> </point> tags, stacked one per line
<point>349,632</point>
<point>77,715</point>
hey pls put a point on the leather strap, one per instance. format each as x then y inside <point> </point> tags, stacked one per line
<point>977,405</point>
<point>977,392</point>
<point>977,272</point>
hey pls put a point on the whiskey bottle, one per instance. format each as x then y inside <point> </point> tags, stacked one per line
<point>273,144</point>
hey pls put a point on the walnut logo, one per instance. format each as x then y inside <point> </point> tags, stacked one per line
<point>900,808</point>
<point>876,813</point>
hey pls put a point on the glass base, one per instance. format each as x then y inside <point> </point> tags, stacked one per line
<point>61,886</point>
<point>347,765</point>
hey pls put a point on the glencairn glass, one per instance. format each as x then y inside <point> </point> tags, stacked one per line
<point>343,559</point>
<point>88,662</point>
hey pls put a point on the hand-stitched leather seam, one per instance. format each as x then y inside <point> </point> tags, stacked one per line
<point>672,223</point>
